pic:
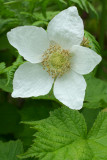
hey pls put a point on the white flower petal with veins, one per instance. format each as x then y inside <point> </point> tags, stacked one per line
<point>30,41</point>
<point>83,60</point>
<point>31,80</point>
<point>70,89</point>
<point>66,28</point>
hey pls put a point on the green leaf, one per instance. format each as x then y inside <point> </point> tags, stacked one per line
<point>4,86</point>
<point>92,8</point>
<point>94,45</point>
<point>49,16</point>
<point>2,66</point>
<point>10,70</point>
<point>97,104</point>
<point>63,136</point>
<point>96,93</point>
<point>63,131</point>
<point>90,112</point>
<point>102,70</point>
<point>62,1</point>
<point>78,2</point>
<point>85,5</point>
<point>10,22</point>
<point>10,150</point>
<point>98,137</point>
<point>6,81</point>
<point>40,23</point>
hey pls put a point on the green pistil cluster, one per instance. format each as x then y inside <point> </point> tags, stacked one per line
<point>56,61</point>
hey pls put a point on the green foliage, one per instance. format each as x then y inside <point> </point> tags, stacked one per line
<point>10,70</point>
<point>57,134</point>
<point>42,20</point>
<point>10,150</point>
<point>90,115</point>
<point>85,5</point>
<point>93,44</point>
<point>8,73</point>
<point>102,70</point>
<point>4,86</point>
<point>32,110</point>
<point>96,93</point>
<point>98,137</point>
<point>64,136</point>
<point>15,13</point>
<point>9,118</point>
<point>2,66</point>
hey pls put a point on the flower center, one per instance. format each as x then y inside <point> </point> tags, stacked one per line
<point>56,60</point>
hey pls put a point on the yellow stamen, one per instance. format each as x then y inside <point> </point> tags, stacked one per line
<point>56,60</point>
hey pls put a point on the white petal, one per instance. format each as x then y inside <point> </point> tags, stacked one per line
<point>30,41</point>
<point>31,80</point>
<point>66,28</point>
<point>83,60</point>
<point>70,90</point>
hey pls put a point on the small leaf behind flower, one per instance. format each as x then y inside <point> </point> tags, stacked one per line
<point>94,45</point>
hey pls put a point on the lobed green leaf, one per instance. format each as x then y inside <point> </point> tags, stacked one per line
<point>63,136</point>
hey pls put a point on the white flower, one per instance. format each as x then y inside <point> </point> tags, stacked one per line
<point>59,52</point>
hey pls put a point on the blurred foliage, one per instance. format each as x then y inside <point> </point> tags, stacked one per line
<point>14,111</point>
<point>9,150</point>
